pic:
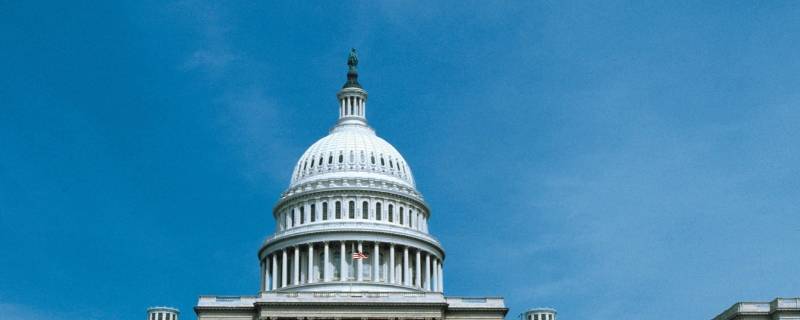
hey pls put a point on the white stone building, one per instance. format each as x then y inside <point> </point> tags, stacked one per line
<point>538,314</point>
<point>778,309</point>
<point>162,313</point>
<point>352,238</point>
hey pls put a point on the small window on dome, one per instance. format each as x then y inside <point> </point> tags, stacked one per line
<point>362,156</point>
<point>391,213</point>
<point>402,214</point>
<point>341,158</point>
<point>320,160</point>
<point>372,158</point>
<point>302,214</point>
<point>338,210</point>
<point>330,159</point>
<point>312,164</point>
<point>325,210</point>
<point>378,213</point>
<point>351,209</point>
<point>305,164</point>
<point>382,163</point>
<point>313,212</point>
<point>365,210</point>
<point>352,157</point>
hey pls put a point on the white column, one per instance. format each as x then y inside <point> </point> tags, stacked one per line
<point>310,272</point>
<point>406,278</point>
<point>296,266</point>
<point>441,277</point>
<point>274,271</point>
<point>434,282</point>
<point>283,270</point>
<point>326,273</point>
<point>267,273</point>
<point>376,257</point>
<point>391,263</point>
<point>343,264</point>
<point>428,271</point>
<point>417,270</point>
<point>360,266</point>
<point>263,274</point>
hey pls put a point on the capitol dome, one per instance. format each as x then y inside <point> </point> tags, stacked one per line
<point>352,150</point>
<point>351,218</point>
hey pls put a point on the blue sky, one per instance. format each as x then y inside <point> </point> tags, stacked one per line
<point>612,159</point>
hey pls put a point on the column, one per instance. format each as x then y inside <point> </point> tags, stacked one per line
<point>343,264</point>
<point>434,282</point>
<point>274,272</point>
<point>296,268</point>
<point>326,273</point>
<point>428,271</point>
<point>436,275</point>
<point>376,257</point>
<point>268,275</point>
<point>406,278</point>
<point>418,270</point>
<point>310,272</point>
<point>263,274</point>
<point>441,277</point>
<point>360,266</point>
<point>283,270</point>
<point>391,263</point>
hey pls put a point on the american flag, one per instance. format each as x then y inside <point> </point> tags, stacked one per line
<point>359,255</point>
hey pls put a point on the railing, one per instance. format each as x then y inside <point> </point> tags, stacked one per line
<point>476,302</point>
<point>354,225</point>
<point>782,303</point>
<point>343,296</point>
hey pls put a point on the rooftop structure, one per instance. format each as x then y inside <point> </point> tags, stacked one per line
<point>778,309</point>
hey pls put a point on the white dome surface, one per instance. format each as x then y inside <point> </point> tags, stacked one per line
<point>352,151</point>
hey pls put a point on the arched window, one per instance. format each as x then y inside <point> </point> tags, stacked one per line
<point>304,165</point>
<point>391,213</point>
<point>362,156</point>
<point>341,158</point>
<point>313,212</point>
<point>351,209</point>
<point>302,214</point>
<point>330,159</point>
<point>365,210</point>
<point>325,210</point>
<point>391,164</point>
<point>338,210</point>
<point>312,163</point>
<point>291,219</point>
<point>382,163</point>
<point>402,215</point>
<point>378,213</point>
<point>352,157</point>
<point>320,160</point>
<point>371,157</point>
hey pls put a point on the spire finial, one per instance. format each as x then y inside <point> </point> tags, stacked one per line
<point>352,71</point>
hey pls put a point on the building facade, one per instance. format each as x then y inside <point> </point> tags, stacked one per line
<point>352,238</point>
<point>778,309</point>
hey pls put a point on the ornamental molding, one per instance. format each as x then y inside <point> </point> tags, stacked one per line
<point>365,183</point>
<point>360,190</point>
<point>428,244</point>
